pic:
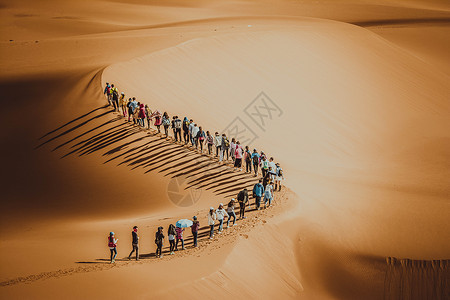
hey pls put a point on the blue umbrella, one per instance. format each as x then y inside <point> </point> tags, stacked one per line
<point>183,223</point>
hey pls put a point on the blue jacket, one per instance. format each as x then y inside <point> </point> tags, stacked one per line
<point>258,190</point>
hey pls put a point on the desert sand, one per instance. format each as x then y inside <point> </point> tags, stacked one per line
<point>358,116</point>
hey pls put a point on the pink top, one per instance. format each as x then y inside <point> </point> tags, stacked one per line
<point>179,232</point>
<point>238,152</point>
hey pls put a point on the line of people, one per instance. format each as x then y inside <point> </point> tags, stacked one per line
<point>195,137</point>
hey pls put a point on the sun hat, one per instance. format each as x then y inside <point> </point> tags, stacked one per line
<point>211,208</point>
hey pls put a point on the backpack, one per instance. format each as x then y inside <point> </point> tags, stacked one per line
<point>166,122</point>
<point>226,142</point>
<point>177,123</point>
<point>279,172</point>
<point>115,92</point>
<point>248,158</point>
<point>111,242</point>
<point>240,196</point>
<point>255,160</point>
<point>210,140</point>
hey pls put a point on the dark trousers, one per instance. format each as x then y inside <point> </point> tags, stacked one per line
<point>172,245</point>
<point>185,136</point>
<point>255,167</point>
<point>177,134</point>
<point>182,243</point>
<point>218,148</point>
<point>135,248</point>
<point>209,149</point>
<point>166,130</point>
<point>115,103</point>
<point>241,210</point>
<point>248,166</point>
<point>263,171</point>
<point>238,162</point>
<point>195,234</point>
<point>113,253</point>
<point>211,230</point>
<point>258,201</point>
<point>159,249</point>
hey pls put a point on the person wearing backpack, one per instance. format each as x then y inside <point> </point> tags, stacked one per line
<point>191,128</point>
<point>264,166</point>
<point>122,104</point>
<point>157,116</point>
<point>209,142</point>
<point>256,162</point>
<point>238,153</point>
<point>107,92</point>
<point>268,194</point>
<point>278,177</point>
<point>212,217</point>
<point>179,237</point>
<point>258,191</point>
<point>166,123</point>
<point>248,160</point>
<point>231,213</point>
<point>112,244</point>
<point>225,147</point>
<point>233,149</point>
<point>134,242</point>
<point>130,109</point>
<point>134,105</point>
<point>171,236</point>
<point>141,115</point>
<point>176,125</point>
<point>115,97</point>
<point>195,130</point>
<point>218,143</point>
<point>148,114</point>
<point>200,138</point>
<point>242,198</point>
<point>185,130</point>
<point>159,239</point>
<point>194,228</point>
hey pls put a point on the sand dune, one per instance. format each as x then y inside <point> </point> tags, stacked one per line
<point>359,92</point>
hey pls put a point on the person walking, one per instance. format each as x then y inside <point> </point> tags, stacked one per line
<point>258,191</point>
<point>130,109</point>
<point>248,160</point>
<point>107,92</point>
<point>238,154</point>
<point>171,235</point>
<point>242,198</point>
<point>209,142</point>
<point>141,115</point>
<point>134,243</point>
<point>115,97</point>
<point>225,147</point>
<point>148,114</point>
<point>231,213</point>
<point>221,214</point>
<point>212,217</point>
<point>256,162</point>
<point>264,166</point>
<point>166,123</point>
<point>194,228</point>
<point>279,177</point>
<point>201,135</point>
<point>157,116</point>
<point>191,127</point>
<point>218,144</point>
<point>136,118</point>
<point>268,194</point>
<point>159,239</point>
<point>186,130</point>
<point>233,149</point>
<point>195,131</point>
<point>179,237</point>
<point>123,104</point>
<point>176,125</point>
<point>112,244</point>
<point>272,169</point>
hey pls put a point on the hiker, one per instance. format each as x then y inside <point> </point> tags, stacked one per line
<point>231,213</point>
<point>209,142</point>
<point>256,162</point>
<point>195,131</point>
<point>201,135</point>
<point>166,123</point>
<point>186,130</point>
<point>157,116</point>
<point>242,198</point>
<point>266,179</point>
<point>218,143</point>
<point>279,176</point>
<point>264,165</point>
<point>233,149</point>
<point>132,106</point>
<point>248,160</point>
<point>272,169</point>
<point>238,153</point>
<point>194,228</point>
<point>112,244</point>
<point>258,191</point>
<point>141,115</point>
<point>130,109</point>
<point>148,114</point>
<point>176,126</point>
<point>191,127</point>
<point>268,194</point>
<point>136,112</point>
<point>179,237</point>
<point>225,147</point>
<point>115,97</point>
<point>134,242</point>
<point>212,217</point>
<point>171,235</point>
<point>123,104</point>
<point>221,214</point>
<point>107,92</point>
<point>159,239</point>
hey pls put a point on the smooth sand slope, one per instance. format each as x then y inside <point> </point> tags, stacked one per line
<point>358,118</point>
